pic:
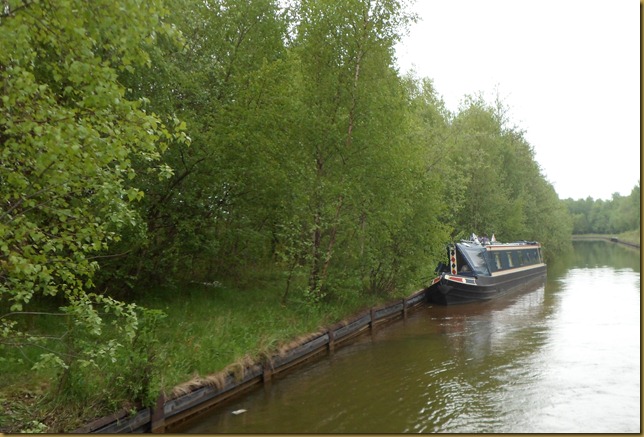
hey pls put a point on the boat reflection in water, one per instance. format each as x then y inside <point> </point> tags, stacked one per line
<point>482,328</point>
<point>481,271</point>
<point>482,380</point>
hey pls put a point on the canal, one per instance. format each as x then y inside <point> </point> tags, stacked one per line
<point>562,357</point>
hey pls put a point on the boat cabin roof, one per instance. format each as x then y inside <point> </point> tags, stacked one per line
<point>491,258</point>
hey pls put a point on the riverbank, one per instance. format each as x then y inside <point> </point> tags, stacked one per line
<point>209,327</point>
<point>631,238</point>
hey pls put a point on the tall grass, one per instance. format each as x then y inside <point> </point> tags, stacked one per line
<point>207,328</point>
<point>212,326</point>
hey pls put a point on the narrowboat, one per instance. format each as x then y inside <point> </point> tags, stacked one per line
<point>479,271</point>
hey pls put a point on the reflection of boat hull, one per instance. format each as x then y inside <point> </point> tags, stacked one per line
<point>449,290</point>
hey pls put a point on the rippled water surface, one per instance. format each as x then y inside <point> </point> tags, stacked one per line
<point>560,357</point>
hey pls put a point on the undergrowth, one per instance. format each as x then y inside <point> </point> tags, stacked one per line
<point>204,328</point>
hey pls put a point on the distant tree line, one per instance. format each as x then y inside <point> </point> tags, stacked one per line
<point>146,142</point>
<point>614,216</point>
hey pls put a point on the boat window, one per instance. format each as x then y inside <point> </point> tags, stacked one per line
<point>509,259</point>
<point>463,267</point>
<point>493,261</point>
<point>532,256</point>
<point>516,259</point>
<point>475,258</point>
<point>503,260</point>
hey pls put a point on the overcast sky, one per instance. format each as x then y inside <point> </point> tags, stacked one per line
<point>569,71</point>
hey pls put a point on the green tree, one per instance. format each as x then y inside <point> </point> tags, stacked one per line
<point>617,215</point>
<point>477,169</point>
<point>408,221</point>
<point>230,82</point>
<point>625,211</point>
<point>69,137</point>
<point>351,134</point>
<point>580,212</point>
<point>502,188</point>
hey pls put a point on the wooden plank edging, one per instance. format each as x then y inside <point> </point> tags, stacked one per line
<point>169,411</point>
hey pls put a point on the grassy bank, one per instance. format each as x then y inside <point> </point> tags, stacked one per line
<point>207,328</point>
<point>211,326</point>
<point>632,237</point>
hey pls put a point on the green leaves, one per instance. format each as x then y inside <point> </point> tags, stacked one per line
<point>501,185</point>
<point>70,138</point>
<point>69,135</point>
<point>614,216</point>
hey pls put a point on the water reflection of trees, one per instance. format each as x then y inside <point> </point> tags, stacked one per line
<point>590,254</point>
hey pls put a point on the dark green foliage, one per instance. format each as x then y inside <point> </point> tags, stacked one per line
<point>617,215</point>
<point>497,184</point>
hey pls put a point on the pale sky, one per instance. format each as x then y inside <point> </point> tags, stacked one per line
<point>568,70</point>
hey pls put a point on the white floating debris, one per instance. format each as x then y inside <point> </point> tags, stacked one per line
<point>236,412</point>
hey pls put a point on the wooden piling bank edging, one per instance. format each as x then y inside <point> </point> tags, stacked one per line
<point>172,411</point>
<point>582,237</point>
<point>626,243</point>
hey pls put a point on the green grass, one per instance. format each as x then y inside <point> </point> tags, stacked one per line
<point>632,237</point>
<point>207,328</point>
